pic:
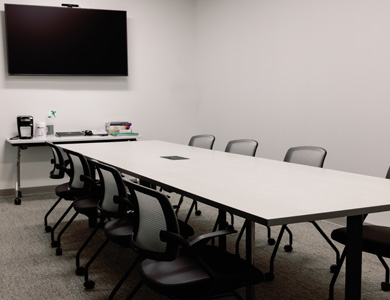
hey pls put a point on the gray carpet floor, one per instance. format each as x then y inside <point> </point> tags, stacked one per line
<point>30,269</point>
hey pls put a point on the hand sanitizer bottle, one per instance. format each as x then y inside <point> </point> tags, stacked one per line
<point>50,123</point>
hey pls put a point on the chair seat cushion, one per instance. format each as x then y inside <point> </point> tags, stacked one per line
<point>181,278</point>
<point>63,191</point>
<point>376,239</point>
<point>86,206</point>
<point>120,231</point>
<point>185,276</point>
<point>232,272</point>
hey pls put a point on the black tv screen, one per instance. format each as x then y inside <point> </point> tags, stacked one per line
<point>45,40</point>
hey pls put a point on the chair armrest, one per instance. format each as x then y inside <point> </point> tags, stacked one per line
<point>124,201</point>
<point>201,241</point>
<point>94,183</point>
<point>66,170</point>
<point>175,237</point>
<point>87,178</point>
<point>66,162</point>
<point>205,238</point>
<point>59,166</point>
<point>62,167</point>
<point>198,242</point>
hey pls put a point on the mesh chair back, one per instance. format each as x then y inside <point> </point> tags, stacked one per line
<point>154,214</point>
<point>79,168</point>
<point>205,141</point>
<point>243,147</point>
<point>112,190</point>
<point>306,155</point>
<point>57,161</point>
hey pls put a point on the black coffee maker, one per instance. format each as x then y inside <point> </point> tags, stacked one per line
<point>25,127</point>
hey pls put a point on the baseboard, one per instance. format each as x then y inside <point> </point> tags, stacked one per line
<point>29,190</point>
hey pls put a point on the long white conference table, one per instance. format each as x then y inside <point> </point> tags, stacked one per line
<point>260,190</point>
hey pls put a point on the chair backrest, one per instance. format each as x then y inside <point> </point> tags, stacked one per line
<point>244,147</point>
<point>205,141</point>
<point>154,215</point>
<point>388,173</point>
<point>112,190</point>
<point>79,169</point>
<point>306,155</point>
<point>58,162</point>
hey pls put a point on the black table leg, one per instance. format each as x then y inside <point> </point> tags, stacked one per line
<point>250,255</point>
<point>222,225</point>
<point>353,276</point>
<point>18,193</point>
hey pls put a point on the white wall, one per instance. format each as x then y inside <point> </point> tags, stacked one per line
<point>157,96</point>
<point>301,72</point>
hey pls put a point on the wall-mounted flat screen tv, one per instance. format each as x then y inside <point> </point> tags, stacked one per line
<point>45,40</point>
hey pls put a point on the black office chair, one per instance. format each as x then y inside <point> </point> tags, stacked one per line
<point>205,141</point>
<point>246,147</point>
<point>310,156</point>
<point>58,162</point>
<point>113,204</point>
<point>85,205</point>
<point>79,187</point>
<point>304,155</point>
<point>58,172</point>
<point>175,268</point>
<point>375,240</point>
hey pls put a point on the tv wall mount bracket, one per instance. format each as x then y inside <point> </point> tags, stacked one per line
<point>69,5</point>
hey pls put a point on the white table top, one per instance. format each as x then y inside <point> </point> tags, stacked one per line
<point>70,139</point>
<point>265,191</point>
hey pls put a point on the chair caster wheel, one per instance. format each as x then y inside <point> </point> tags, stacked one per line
<point>385,286</point>
<point>198,213</point>
<point>48,228</point>
<point>17,201</point>
<point>54,244</point>
<point>333,268</point>
<point>90,284</point>
<point>269,276</point>
<point>288,248</point>
<point>80,271</point>
<point>59,251</point>
<point>271,241</point>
